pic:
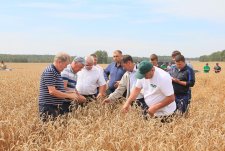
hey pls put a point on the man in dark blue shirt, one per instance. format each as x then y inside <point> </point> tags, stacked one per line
<point>115,71</point>
<point>183,78</point>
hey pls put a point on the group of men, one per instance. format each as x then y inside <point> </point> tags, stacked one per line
<point>216,68</point>
<point>157,92</point>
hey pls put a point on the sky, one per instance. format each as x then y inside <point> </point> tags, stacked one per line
<point>137,27</point>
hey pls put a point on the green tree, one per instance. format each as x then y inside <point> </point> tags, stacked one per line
<point>102,56</point>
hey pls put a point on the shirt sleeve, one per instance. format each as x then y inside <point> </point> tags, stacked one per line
<point>101,80</point>
<point>191,77</point>
<point>139,83</point>
<point>107,72</point>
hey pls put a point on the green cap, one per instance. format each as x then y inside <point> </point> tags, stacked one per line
<point>144,67</point>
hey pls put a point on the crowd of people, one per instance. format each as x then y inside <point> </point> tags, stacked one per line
<point>160,92</point>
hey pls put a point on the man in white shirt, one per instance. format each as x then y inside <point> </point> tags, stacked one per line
<point>127,83</point>
<point>89,78</point>
<point>157,88</point>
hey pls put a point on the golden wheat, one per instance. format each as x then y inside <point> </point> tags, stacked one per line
<point>98,127</point>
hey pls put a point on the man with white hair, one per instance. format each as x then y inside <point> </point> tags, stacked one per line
<point>69,75</point>
<point>89,78</point>
<point>53,99</point>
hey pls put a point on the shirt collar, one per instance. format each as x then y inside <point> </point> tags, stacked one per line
<point>52,65</point>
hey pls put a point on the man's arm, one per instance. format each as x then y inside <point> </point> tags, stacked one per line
<point>154,108</point>
<point>119,91</point>
<point>132,97</point>
<point>107,72</point>
<point>53,91</point>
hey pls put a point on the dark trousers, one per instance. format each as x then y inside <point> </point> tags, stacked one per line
<point>182,102</point>
<point>51,112</point>
<point>141,103</point>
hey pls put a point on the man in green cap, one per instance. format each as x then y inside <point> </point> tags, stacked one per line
<point>156,85</point>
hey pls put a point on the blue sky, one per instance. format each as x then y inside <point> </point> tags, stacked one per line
<point>137,27</point>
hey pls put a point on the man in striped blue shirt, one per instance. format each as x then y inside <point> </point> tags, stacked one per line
<point>53,99</point>
<point>69,74</point>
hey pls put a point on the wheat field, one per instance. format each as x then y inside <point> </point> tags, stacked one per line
<point>98,127</point>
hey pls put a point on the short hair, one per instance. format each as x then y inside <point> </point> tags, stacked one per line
<point>79,60</point>
<point>89,59</point>
<point>94,55</point>
<point>179,58</point>
<point>62,56</point>
<point>175,53</point>
<point>154,56</point>
<point>127,58</point>
<point>119,51</point>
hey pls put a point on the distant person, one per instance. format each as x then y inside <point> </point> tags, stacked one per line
<point>206,68</point>
<point>154,60</point>
<point>157,88</point>
<point>217,68</point>
<point>164,66</point>
<point>89,78</point>
<point>96,63</point>
<point>183,78</point>
<point>3,66</point>
<point>174,54</point>
<point>127,84</point>
<point>53,99</point>
<point>114,72</point>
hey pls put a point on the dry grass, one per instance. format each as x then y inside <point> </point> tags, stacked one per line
<point>105,128</point>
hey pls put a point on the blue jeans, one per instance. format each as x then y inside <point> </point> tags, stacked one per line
<point>182,102</point>
<point>51,112</point>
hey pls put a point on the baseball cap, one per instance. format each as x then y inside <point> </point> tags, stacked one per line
<point>79,59</point>
<point>144,67</point>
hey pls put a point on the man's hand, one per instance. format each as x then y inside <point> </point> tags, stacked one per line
<point>152,110</point>
<point>116,84</point>
<point>125,107</point>
<point>100,96</point>
<point>81,99</point>
<point>107,100</point>
<point>175,80</point>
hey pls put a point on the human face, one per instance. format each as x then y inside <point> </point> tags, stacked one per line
<point>117,57</point>
<point>180,64</point>
<point>62,65</point>
<point>154,61</point>
<point>128,66</point>
<point>76,66</point>
<point>88,65</point>
<point>150,74</point>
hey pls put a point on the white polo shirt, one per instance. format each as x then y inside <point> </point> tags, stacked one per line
<point>156,89</point>
<point>89,80</point>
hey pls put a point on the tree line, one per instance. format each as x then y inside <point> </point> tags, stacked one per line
<point>216,56</point>
<point>102,55</point>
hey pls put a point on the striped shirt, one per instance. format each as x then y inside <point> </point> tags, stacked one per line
<point>50,77</point>
<point>69,76</point>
